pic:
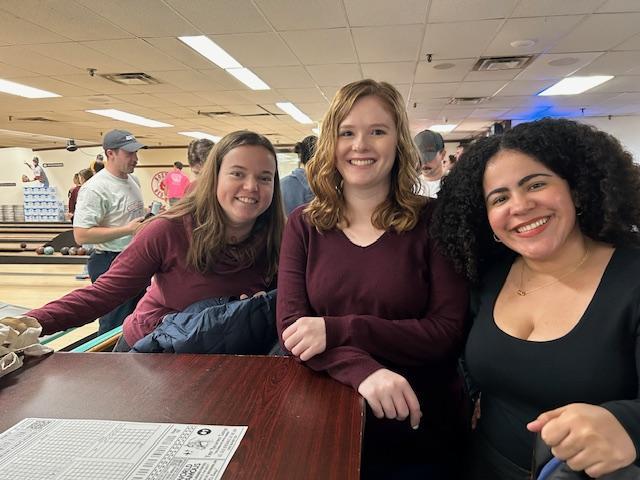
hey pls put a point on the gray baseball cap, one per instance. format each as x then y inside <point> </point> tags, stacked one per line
<point>121,139</point>
<point>429,144</point>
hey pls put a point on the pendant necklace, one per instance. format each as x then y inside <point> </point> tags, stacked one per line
<point>522,292</point>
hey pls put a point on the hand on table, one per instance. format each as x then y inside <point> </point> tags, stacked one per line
<point>306,337</point>
<point>587,437</point>
<point>390,395</point>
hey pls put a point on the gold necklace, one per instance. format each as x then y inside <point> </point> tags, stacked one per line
<point>522,292</point>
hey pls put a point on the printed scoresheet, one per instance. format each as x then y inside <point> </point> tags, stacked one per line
<point>56,449</point>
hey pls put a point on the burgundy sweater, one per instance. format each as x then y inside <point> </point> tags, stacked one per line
<point>158,251</point>
<point>395,304</point>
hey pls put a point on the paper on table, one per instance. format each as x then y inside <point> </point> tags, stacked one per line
<point>38,448</point>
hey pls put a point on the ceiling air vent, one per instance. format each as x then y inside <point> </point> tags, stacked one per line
<point>489,64</point>
<point>33,119</point>
<point>467,100</point>
<point>227,113</point>
<point>137,78</point>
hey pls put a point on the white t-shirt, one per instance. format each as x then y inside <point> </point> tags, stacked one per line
<point>109,201</point>
<point>38,171</point>
<point>428,188</point>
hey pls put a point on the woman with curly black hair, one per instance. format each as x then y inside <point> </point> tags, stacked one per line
<point>543,219</point>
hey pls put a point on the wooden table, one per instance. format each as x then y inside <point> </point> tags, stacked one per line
<point>302,425</point>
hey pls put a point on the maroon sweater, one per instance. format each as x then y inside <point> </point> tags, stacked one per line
<point>158,251</point>
<point>396,304</point>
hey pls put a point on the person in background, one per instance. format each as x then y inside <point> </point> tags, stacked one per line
<point>76,184</point>
<point>363,292</point>
<point>97,164</point>
<point>39,174</point>
<point>295,187</point>
<point>432,154</point>
<point>175,184</point>
<point>197,154</point>
<point>448,163</point>
<point>108,212</point>
<point>544,220</point>
<point>82,176</point>
<point>459,151</point>
<point>222,240</point>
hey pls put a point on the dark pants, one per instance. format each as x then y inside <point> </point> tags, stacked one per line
<point>99,262</point>
<point>121,345</point>
<point>485,462</point>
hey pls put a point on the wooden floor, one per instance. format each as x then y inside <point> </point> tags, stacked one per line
<point>33,286</point>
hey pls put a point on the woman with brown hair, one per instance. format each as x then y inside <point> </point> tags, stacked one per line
<point>364,294</point>
<point>221,240</point>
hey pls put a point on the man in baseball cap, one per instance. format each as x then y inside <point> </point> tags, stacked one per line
<point>108,213</point>
<point>116,139</point>
<point>432,153</point>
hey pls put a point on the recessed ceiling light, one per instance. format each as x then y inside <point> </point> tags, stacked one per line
<point>522,43</point>
<point>443,128</point>
<point>129,117</point>
<point>575,85</point>
<point>200,135</point>
<point>562,62</point>
<point>20,90</point>
<point>444,66</point>
<point>294,111</point>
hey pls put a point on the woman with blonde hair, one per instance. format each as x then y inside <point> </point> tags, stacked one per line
<point>222,240</point>
<point>364,294</point>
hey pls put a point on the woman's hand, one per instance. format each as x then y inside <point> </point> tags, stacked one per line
<point>306,338</point>
<point>390,395</point>
<point>587,437</point>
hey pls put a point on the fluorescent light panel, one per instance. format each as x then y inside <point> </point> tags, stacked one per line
<point>294,111</point>
<point>129,117</point>
<point>200,135</point>
<point>216,54</point>
<point>575,85</point>
<point>249,78</point>
<point>20,90</point>
<point>209,49</point>
<point>444,128</point>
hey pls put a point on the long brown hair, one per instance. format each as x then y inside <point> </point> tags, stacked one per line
<point>208,239</point>
<point>401,210</point>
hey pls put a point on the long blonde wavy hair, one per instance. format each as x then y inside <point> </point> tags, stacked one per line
<point>401,210</point>
<point>208,239</point>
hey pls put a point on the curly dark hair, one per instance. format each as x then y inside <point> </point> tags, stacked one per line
<point>604,183</point>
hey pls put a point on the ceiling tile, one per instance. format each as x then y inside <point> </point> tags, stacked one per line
<point>612,63</point>
<point>302,95</point>
<point>363,13</point>
<point>479,89</point>
<point>459,39</point>
<point>221,16</point>
<point>21,57</point>
<point>545,32</point>
<point>296,15</point>
<point>316,47</point>
<point>525,87</point>
<point>388,44</point>
<point>611,28</point>
<point>335,74</point>
<point>460,10</point>
<point>136,52</point>
<point>257,49</point>
<point>545,8</point>
<point>620,6</point>
<point>541,69</point>
<point>285,77</point>
<point>428,73</point>
<point>70,20</point>
<point>392,72</point>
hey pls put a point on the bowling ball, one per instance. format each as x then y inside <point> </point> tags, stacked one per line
<point>73,251</point>
<point>64,250</point>
<point>81,251</point>
<point>23,245</point>
<point>40,250</point>
<point>48,250</point>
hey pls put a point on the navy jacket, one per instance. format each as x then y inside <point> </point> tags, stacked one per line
<point>218,325</point>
